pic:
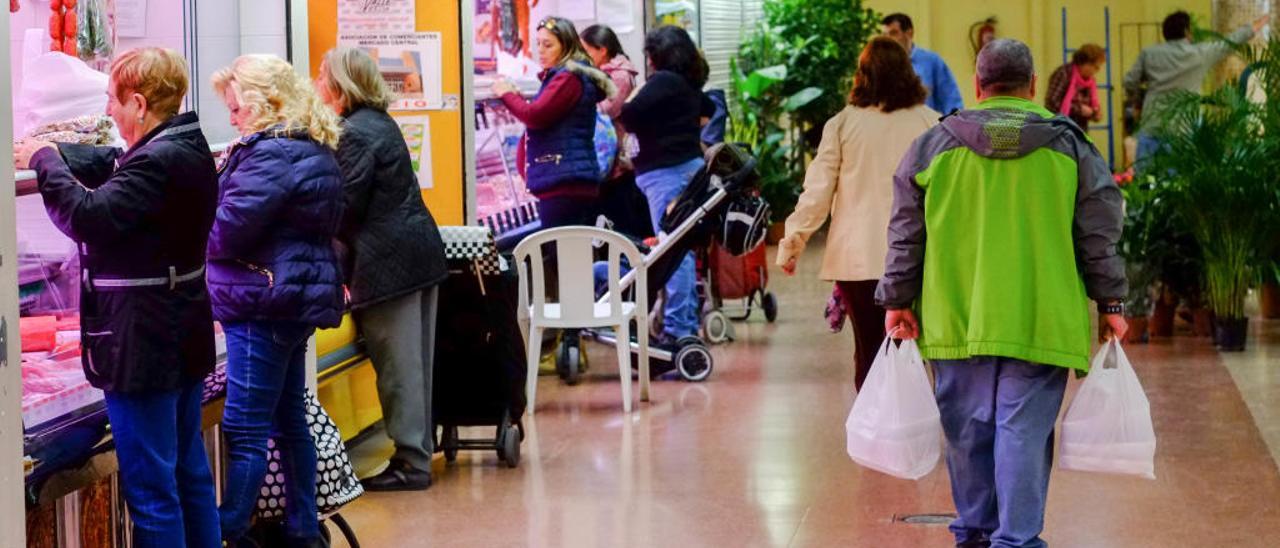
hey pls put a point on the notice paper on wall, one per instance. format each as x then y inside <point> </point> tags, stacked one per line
<point>363,16</point>
<point>417,134</point>
<point>579,11</point>
<point>131,18</point>
<point>617,14</point>
<point>409,62</point>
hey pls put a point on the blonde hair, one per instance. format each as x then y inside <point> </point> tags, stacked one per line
<point>159,74</point>
<point>352,75</point>
<point>276,95</point>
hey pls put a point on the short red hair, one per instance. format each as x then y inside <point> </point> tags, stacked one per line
<point>159,74</point>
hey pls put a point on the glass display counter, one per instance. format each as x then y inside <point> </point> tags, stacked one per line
<point>70,486</point>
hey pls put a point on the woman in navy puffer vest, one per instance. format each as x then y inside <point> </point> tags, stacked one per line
<point>561,167</point>
<point>273,278</point>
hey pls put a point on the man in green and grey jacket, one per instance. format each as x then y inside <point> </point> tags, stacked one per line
<point>1005,223</point>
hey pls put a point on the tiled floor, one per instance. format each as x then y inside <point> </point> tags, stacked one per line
<point>755,457</point>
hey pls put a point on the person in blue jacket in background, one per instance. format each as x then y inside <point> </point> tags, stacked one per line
<point>944,94</point>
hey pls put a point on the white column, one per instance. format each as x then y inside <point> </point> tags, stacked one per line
<point>300,37</point>
<point>12,513</point>
<point>262,27</point>
<point>468,8</point>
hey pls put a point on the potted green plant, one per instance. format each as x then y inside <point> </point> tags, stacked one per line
<point>791,74</point>
<point>1221,177</point>
<point>1260,83</point>
<point>1162,257</point>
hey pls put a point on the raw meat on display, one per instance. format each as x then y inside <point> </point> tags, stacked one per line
<point>38,333</point>
<point>44,378</point>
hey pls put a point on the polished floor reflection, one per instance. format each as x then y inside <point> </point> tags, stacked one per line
<point>755,457</point>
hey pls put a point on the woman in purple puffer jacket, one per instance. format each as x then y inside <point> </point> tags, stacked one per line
<point>273,279</point>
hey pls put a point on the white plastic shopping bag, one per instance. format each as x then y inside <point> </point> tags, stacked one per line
<point>1108,426</point>
<point>894,425</point>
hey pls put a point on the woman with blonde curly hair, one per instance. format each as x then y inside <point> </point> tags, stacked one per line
<point>273,279</point>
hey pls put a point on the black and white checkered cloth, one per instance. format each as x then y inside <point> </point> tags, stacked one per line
<point>472,244</point>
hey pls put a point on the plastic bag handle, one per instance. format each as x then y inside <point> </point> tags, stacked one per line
<point>1109,354</point>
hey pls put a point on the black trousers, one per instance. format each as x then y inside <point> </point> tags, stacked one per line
<point>867,320</point>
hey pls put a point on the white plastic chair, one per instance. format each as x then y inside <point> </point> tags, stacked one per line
<point>578,308</point>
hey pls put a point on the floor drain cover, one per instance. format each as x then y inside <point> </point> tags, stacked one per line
<point>926,519</point>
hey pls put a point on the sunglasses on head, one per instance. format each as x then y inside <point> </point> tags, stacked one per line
<point>548,23</point>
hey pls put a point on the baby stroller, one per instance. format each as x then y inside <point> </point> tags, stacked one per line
<point>727,183</point>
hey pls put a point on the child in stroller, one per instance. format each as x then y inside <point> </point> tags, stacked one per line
<point>728,178</point>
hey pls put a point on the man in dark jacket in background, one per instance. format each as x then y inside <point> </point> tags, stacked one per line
<point>395,261</point>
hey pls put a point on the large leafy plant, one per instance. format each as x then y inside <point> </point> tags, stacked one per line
<point>1263,72</point>
<point>1221,170</point>
<point>1157,245</point>
<point>824,39</point>
<point>791,74</point>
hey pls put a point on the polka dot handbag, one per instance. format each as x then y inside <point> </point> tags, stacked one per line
<point>336,482</point>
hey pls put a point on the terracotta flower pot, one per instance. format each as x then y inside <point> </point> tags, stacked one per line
<point>776,232</point>
<point>1162,318</point>
<point>1138,332</point>
<point>1269,300</point>
<point>1202,322</point>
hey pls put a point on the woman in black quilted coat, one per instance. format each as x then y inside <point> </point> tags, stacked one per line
<point>394,261</point>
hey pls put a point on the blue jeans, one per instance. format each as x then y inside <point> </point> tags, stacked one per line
<point>1148,145</point>
<point>998,416</point>
<point>266,383</point>
<point>662,187</point>
<point>164,471</point>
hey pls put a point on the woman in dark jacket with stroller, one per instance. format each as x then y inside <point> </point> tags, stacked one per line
<point>561,166</point>
<point>274,278</point>
<point>396,260</point>
<point>666,118</point>
<point>141,218</point>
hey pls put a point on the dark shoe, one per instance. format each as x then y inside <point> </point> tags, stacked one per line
<point>974,544</point>
<point>665,341</point>
<point>399,476</point>
<point>318,542</point>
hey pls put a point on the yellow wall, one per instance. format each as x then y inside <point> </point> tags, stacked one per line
<point>446,197</point>
<point>943,26</point>
<point>351,397</point>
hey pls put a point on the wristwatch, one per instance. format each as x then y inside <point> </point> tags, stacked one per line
<point>1112,307</point>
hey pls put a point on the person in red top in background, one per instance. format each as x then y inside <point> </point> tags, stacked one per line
<point>1073,90</point>
<point>559,161</point>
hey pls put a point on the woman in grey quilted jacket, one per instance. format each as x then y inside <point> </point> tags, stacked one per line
<point>394,261</point>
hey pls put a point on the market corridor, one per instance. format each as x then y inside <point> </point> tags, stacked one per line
<point>755,457</point>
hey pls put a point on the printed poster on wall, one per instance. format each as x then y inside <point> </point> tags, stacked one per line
<point>366,16</point>
<point>417,134</point>
<point>131,18</point>
<point>409,62</point>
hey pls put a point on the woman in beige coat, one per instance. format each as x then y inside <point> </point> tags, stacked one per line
<point>851,179</point>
